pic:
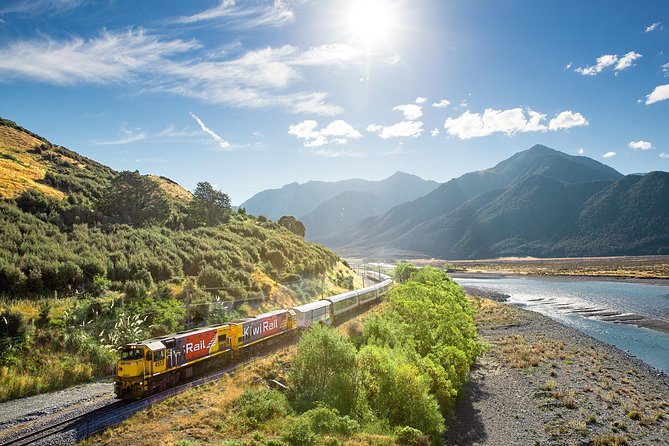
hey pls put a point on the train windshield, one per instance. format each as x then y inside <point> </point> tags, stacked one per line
<point>132,353</point>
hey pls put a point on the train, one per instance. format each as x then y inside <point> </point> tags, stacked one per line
<point>153,365</point>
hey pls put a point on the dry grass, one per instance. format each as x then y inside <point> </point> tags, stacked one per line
<point>638,267</point>
<point>609,440</point>
<point>20,170</point>
<point>494,314</point>
<point>29,378</point>
<point>519,353</point>
<point>172,188</point>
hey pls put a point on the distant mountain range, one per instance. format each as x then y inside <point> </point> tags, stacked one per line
<point>540,202</point>
<point>326,207</point>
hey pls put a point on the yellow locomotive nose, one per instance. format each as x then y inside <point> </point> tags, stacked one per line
<point>127,369</point>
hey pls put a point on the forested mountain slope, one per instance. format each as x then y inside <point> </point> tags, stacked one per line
<point>540,202</point>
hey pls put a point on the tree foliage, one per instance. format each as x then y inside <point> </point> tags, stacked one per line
<point>293,225</point>
<point>403,271</point>
<point>135,200</point>
<point>323,371</point>
<point>209,207</point>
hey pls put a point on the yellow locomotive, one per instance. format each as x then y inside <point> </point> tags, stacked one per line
<point>156,364</point>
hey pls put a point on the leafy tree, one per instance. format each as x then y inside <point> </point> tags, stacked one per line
<point>135,200</point>
<point>323,371</point>
<point>395,390</point>
<point>293,225</point>
<point>209,207</point>
<point>403,271</point>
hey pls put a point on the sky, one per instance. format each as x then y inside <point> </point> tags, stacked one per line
<point>252,95</point>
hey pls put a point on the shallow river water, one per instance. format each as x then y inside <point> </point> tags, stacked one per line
<point>562,299</point>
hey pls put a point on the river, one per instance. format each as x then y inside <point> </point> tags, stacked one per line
<point>587,304</point>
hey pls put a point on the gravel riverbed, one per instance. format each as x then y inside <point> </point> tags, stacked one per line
<point>542,383</point>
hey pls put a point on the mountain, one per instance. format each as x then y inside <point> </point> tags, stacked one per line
<point>539,202</point>
<point>326,206</point>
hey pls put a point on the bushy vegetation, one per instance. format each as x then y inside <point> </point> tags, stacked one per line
<point>402,372</point>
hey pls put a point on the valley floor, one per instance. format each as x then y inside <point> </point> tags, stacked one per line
<point>542,383</point>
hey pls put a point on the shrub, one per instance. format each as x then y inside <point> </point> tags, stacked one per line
<point>13,331</point>
<point>255,406</point>
<point>323,371</point>
<point>408,436</point>
<point>298,432</point>
<point>326,420</point>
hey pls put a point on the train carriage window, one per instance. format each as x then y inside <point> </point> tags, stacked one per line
<point>149,356</point>
<point>159,356</point>
<point>222,339</point>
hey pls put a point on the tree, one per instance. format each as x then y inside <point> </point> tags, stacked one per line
<point>293,225</point>
<point>135,200</point>
<point>209,207</point>
<point>403,271</point>
<point>323,370</point>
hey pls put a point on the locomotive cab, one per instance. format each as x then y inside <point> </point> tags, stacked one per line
<point>138,363</point>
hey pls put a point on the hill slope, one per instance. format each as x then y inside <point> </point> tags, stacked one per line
<point>92,259</point>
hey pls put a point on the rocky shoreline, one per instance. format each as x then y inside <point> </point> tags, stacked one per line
<point>542,383</point>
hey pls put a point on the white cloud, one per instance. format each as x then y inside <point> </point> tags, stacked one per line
<point>338,153</point>
<point>337,132</point>
<point>421,100</point>
<point>222,143</point>
<point>664,156</point>
<point>434,132</point>
<point>109,58</point>
<point>402,129</point>
<point>411,112</point>
<point>608,60</point>
<point>665,69</point>
<point>567,119</point>
<point>640,145</point>
<point>261,78</point>
<point>627,61</point>
<point>472,125</point>
<point>569,65</point>
<point>171,132</point>
<point>609,155</point>
<point>602,62</point>
<point>653,26</point>
<point>263,13</point>
<point>39,7</point>
<point>581,151</point>
<point>442,103</point>
<point>660,93</point>
<point>128,136</point>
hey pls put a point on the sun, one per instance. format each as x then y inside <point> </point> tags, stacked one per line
<point>370,21</point>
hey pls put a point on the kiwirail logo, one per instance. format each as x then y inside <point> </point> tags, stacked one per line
<point>199,344</point>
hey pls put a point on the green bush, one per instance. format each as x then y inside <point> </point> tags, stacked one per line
<point>326,420</point>
<point>408,436</point>
<point>323,370</point>
<point>255,406</point>
<point>298,432</point>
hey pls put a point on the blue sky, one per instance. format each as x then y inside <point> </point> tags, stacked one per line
<point>251,95</point>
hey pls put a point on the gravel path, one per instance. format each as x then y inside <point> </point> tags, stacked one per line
<point>542,383</point>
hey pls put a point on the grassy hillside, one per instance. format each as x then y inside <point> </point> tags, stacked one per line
<point>91,259</point>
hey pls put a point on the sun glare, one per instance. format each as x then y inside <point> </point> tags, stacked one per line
<point>370,21</point>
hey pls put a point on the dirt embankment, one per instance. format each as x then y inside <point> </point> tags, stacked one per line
<point>542,383</point>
